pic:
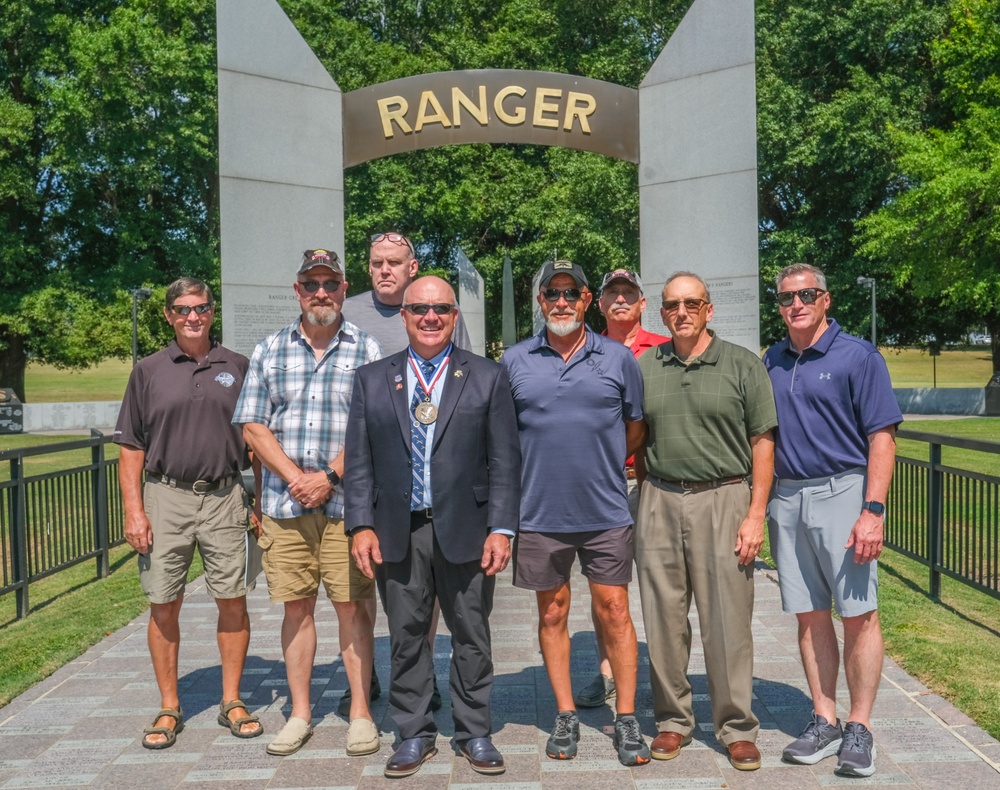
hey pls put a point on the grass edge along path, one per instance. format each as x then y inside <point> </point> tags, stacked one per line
<point>71,611</point>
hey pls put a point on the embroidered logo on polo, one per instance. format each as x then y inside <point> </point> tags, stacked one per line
<point>226,379</point>
<point>825,376</point>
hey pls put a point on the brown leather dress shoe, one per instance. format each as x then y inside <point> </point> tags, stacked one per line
<point>667,745</point>
<point>744,756</point>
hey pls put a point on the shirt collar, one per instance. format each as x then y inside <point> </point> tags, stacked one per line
<point>821,346</point>
<point>709,356</point>
<point>175,353</point>
<point>590,343</point>
<point>436,360</point>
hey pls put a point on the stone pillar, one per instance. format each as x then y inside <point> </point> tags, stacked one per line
<point>280,165</point>
<point>698,166</point>
<point>472,302</point>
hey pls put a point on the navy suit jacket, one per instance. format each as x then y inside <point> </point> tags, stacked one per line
<point>475,458</point>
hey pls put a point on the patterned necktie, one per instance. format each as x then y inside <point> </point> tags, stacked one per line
<point>418,440</point>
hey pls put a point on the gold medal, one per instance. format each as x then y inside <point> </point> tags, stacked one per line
<point>426,413</point>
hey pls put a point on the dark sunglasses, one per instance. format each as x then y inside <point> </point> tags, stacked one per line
<point>185,309</point>
<point>569,294</point>
<point>395,238</point>
<point>691,305</point>
<point>807,295</point>
<point>311,286</point>
<point>438,308</point>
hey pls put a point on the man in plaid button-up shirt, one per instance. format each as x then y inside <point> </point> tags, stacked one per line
<point>293,409</point>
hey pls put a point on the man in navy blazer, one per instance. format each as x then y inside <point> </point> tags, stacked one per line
<point>432,487</point>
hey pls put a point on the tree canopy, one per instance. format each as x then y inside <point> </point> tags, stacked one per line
<point>877,148</point>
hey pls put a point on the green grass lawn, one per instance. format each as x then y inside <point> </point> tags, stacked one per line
<point>913,367</point>
<point>48,384</point>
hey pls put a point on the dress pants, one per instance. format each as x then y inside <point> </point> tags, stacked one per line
<point>684,545</point>
<point>407,590</point>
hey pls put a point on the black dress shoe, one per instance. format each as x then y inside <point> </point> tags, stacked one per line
<point>411,754</point>
<point>482,756</point>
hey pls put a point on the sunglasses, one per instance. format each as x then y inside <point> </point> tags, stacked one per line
<point>185,309</point>
<point>807,295</point>
<point>438,308</point>
<point>312,286</point>
<point>569,294</point>
<point>691,305</point>
<point>395,238</point>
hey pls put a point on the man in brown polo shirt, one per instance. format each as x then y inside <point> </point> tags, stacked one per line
<point>174,424</point>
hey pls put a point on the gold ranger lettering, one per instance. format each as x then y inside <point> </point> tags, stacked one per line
<point>550,108</point>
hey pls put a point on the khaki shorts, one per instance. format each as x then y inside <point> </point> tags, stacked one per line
<point>217,523</point>
<point>300,551</point>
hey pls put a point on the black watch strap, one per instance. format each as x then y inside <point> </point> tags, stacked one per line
<point>878,508</point>
<point>333,477</point>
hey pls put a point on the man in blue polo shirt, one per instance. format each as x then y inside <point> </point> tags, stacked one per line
<point>834,453</point>
<point>578,398</point>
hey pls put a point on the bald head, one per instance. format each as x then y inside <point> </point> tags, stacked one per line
<point>429,315</point>
<point>429,290</point>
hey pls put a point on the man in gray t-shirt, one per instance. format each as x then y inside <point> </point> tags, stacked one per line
<point>392,265</point>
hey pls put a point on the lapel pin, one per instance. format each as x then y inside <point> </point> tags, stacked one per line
<point>399,386</point>
<point>459,374</point>
<point>398,378</point>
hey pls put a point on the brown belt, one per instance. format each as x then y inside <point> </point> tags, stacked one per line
<point>696,486</point>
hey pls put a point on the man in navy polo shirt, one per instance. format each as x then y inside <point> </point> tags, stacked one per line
<point>834,454</point>
<point>578,398</point>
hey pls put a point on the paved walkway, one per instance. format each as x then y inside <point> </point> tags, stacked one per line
<point>81,727</point>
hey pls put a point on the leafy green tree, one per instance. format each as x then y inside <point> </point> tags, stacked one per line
<point>107,169</point>
<point>941,233</point>
<point>833,80</point>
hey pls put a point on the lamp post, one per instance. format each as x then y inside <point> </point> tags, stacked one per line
<point>138,295</point>
<point>870,283</point>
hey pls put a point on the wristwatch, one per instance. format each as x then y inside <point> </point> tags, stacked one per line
<point>333,477</point>
<point>871,505</point>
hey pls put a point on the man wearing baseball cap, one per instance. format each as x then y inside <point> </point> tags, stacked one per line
<point>622,302</point>
<point>293,410</point>
<point>578,398</point>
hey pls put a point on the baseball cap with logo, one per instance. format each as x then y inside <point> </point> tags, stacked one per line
<point>327,258</point>
<point>621,274</point>
<point>552,268</point>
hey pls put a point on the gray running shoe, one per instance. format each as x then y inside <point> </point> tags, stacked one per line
<point>631,746</point>
<point>596,693</point>
<point>857,753</point>
<point>818,740</point>
<point>565,736</point>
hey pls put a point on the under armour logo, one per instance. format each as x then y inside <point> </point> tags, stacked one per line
<point>824,375</point>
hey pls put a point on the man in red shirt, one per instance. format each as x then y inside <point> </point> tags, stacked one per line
<point>622,302</point>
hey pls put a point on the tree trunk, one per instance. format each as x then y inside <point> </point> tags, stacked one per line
<point>13,361</point>
<point>993,327</point>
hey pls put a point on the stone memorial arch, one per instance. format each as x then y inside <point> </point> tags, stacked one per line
<point>287,131</point>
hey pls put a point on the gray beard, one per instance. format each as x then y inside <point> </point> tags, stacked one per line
<point>563,328</point>
<point>328,317</point>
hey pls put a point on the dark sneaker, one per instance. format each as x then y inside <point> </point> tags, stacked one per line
<point>818,740</point>
<point>565,736</point>
<point>344,706</point>
<point>631,746</point>
<point>596,693</point>
<point>857,752</point>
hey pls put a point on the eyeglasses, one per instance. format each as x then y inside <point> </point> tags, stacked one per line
<point>691,305</point>
<point>807,295</point>
<point>312,286</point>
<point>185,309</point>
<point>569,294</point>
<point>395,238</point>
<point>438,308</point>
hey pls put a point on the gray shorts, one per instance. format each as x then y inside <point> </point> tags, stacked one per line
<point>216,523</point>
<point>809,522</point>
<point>544,560</point>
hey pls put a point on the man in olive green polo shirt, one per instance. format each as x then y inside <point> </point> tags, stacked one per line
<point>710,413</point>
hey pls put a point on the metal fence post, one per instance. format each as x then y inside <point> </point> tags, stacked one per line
<point>935,511</point>
<point>19,536</point>
<point>99,487</point>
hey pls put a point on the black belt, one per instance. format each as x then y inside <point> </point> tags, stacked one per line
<point>200,487</point>
<point>696,486</point>
<point>426,513</point>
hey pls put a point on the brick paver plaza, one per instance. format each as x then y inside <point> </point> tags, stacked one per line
<point>82,726</point>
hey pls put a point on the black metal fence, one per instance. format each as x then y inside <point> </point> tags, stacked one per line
<point>53,520</point>
<point>946,518</point>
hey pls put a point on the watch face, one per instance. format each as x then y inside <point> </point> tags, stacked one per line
<point>875,507</point>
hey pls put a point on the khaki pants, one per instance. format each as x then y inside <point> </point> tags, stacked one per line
<point>684,546</point>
